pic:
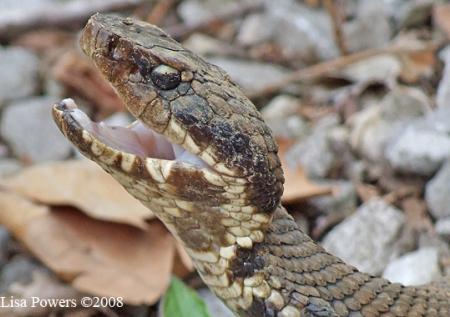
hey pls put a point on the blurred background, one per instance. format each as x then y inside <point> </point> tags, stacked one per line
<point>357,93</point>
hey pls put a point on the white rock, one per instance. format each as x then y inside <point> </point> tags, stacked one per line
<point>281,106</point>
<point>415,268</point>
<point>418,151</point>
<point>375,126</point>
<point>361,33</point>
<point>423,145</point>
<point>250,75</point>
<point>437,193</point>
<point>9,166</point>
<point>369,133</point>
<point>301,31</point>
<point>367,238</point>
<point>442,227</point>
<point>254,30</point>
<point>343,198</point>
<point>282,116</point>
<point>5,240</point>
<point>28,127</point>
<point>314,152</point>
<point>18,75</point>
<point>443,90</point>
<point>383,68</point>
<point>413,13</point>
<point>205,45</point>
<point>195,11</point>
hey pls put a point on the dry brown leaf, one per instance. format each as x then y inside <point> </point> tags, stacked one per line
<point>43,41</point>
<point>417,217</point>
<point>79,74</point>
<point>81,184</point>
<point>417,65</point>
<point>367,192</point>
<point>182,264</point>
<point>441,18</point>
<point>297,186</point>
<point>101,258</point>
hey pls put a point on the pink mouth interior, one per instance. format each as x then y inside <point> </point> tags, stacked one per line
<point>136,139</point>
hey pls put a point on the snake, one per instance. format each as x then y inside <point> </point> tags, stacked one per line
<point>201,157</point>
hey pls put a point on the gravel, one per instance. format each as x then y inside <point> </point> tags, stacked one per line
<point>249,74</point>
<point>27,126</point>
<point>415,268</point>
<point>437,193</point>
<point>19,74</point>
<point>366,239</point>
<point>314,153</point>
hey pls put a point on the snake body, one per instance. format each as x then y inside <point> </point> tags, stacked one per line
<point>224,206</point>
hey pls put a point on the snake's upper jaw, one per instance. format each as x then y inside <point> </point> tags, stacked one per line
<point>136,139</point>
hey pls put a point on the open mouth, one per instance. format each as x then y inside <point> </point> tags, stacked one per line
<point>137,138</point>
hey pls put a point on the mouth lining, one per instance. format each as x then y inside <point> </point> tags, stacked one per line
<point>136,138</point>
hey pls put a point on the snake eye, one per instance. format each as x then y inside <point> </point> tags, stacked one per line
<point>165,77</point>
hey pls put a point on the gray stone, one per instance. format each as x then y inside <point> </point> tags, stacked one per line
<point>3,151</point>
<point>9,166</point>
<point>281,106</point>
<point>5,239</point>
<point>382,68</point>
<point>281,115</point>
<point>437,193</point>
<point>292,128</point>
<point>443,90</point>
<point>404,103</point>
<point>339,138</point>
<point>195,11</point>
<point>250,75</point>
<point>18,269</point>
<point>216,307</point>
<point>438,120</point>
<point>342,200</point>
<point>415,268</point>
<point>19,15</point>
<point>442,227</point>
<point>418,150</point>
<point>374,127</point>
<point>19,73</point>
<point>301,31</point>
<point>413,13</point>
<point>357,171</point>
<point>360,33</point>
<point>366,239</point>
<point>314,153</point>
<point>254,30</point>
<point>27,126</point>
<point>45,285</point>
<point>206,45</point>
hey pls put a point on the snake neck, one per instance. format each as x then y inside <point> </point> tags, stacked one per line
<point>289,275</point>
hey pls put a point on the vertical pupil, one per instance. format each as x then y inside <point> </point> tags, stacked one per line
<point>165,77</point>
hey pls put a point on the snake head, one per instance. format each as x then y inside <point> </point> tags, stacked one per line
<point>188,111</point>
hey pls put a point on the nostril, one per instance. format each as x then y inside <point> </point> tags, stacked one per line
<point>65,105</point>
<point>112,43</point>
<point>61,106</point>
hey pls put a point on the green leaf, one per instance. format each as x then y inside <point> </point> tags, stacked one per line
<point>182,301</point>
